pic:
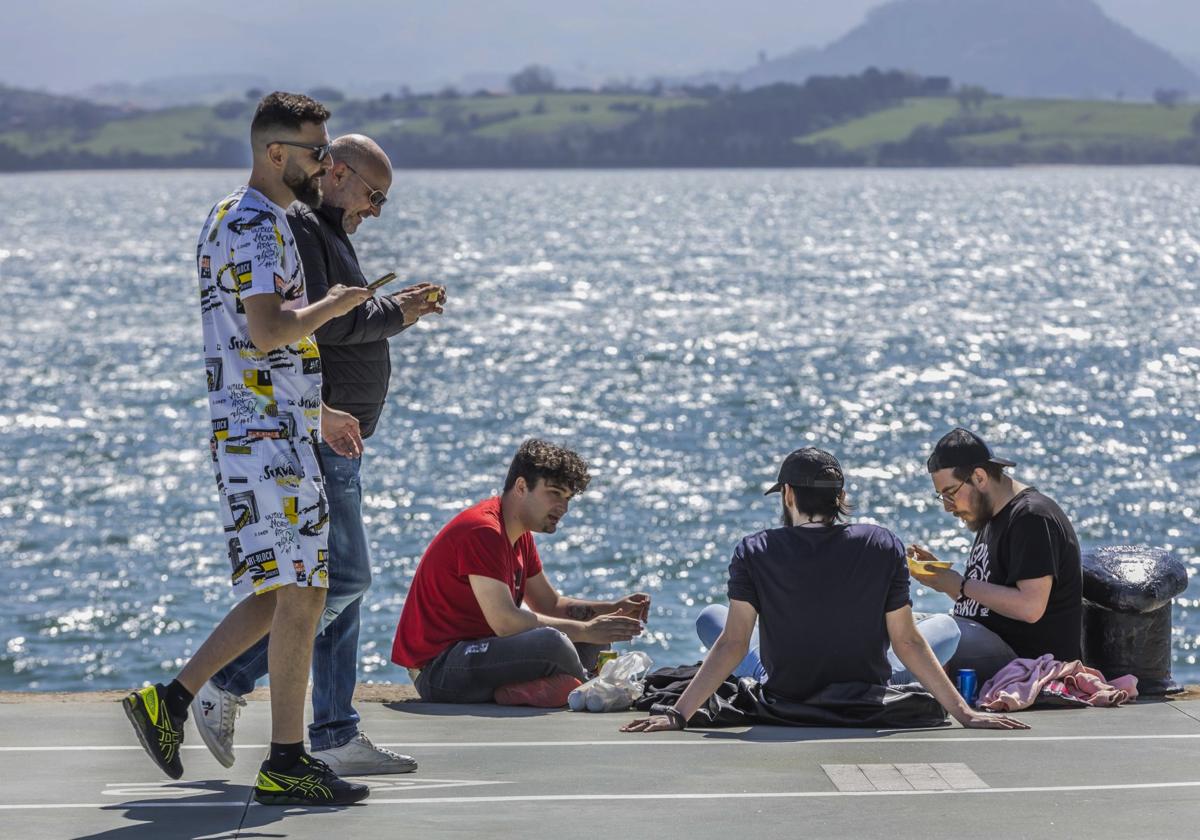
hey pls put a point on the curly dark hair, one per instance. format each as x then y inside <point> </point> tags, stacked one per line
<point>287,111</point>
<point>538,460</point>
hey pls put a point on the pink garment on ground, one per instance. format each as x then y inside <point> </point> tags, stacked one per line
<point>1017,684</point>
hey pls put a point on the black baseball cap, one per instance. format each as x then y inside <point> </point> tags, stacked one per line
<point>961,448</point>
<point>809,467</point>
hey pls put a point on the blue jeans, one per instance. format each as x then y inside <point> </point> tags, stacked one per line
<point>941,631</point>
<point>709,626</point>
<point>335,651</point>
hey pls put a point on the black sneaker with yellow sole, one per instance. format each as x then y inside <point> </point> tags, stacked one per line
<point>160,733</point>
<point>308,782</point>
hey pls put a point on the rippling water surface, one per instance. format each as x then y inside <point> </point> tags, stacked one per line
<point>682,330</point>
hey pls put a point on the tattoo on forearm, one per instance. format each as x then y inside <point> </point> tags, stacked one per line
<point>581,612</point>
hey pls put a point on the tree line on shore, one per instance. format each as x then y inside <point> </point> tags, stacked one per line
<point>716,127</point>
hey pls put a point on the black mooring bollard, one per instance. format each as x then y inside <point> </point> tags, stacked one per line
<point>1127,592</point>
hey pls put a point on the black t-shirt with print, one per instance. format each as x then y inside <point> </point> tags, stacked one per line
<point>1030,538</point>
<point>821,596</point>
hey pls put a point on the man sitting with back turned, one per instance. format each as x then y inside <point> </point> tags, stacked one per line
<point>463,634</point>
<point>1022,592</point>
<point>828,597</point>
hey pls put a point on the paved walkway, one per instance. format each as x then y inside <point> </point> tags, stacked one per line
<point>73,770</point>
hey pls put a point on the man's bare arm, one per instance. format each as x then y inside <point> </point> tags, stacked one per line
<point>272,326</point>
<point>543,598</point>
<point>507,619</point>
<point>1024,602</point>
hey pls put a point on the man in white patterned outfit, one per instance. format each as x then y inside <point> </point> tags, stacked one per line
<point>264,385</point>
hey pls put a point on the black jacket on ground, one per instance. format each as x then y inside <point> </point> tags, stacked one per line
<point>742,702</point>
<point>355,363</point>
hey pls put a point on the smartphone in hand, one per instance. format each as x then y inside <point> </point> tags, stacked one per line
<point>382,281</point>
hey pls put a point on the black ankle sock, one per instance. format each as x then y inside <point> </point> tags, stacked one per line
<point>178,699</point>
<point>285,756</point>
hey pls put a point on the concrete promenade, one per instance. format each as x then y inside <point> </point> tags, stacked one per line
<point>74,770</point>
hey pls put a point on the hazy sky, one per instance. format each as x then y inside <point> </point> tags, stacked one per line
<point>66,45</point>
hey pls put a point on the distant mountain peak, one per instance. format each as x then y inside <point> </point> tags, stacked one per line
<point>1040,48</point>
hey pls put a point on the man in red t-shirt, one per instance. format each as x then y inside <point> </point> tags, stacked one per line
<point>463,634</point>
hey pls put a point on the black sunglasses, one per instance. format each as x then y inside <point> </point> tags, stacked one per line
<point>320,152</point>
<point>377,197</point>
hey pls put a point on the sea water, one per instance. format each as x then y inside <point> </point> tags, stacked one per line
<point>682,330</point>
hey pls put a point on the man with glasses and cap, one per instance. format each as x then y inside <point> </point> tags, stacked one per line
<point>356,363</point>
<point>1021,593</point>
<point>828,598</point>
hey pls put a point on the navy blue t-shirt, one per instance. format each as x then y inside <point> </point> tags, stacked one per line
<point>821,596</point>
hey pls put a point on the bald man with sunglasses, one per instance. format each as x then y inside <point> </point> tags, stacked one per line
<point>356,365</point>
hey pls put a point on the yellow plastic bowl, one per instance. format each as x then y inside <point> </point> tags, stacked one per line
<point>922,566</point>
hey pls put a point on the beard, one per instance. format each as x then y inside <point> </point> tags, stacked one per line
<point>976,515</point>
<point>306,188</point>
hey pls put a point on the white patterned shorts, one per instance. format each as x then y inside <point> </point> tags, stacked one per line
<point>274,512</point>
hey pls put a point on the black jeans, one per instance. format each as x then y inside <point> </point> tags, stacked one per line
<point>470,672</point>
<point>979,648</point>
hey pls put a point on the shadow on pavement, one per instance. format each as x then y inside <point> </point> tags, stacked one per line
<point>490,710</point>
<point>799,734</point>
<point>216,810</point>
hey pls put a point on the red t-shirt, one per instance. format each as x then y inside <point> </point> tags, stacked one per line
<point>441,609</point>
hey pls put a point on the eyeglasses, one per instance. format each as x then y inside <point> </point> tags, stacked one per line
<point>947,496</point>
<point>320,151</point>
<point>377,197</point>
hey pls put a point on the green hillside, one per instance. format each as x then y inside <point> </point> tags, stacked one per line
<point>179,131</point>
<point>175,131</point>
<point>1044,122</point>
<point>508,116</point>
<point>890,125</point>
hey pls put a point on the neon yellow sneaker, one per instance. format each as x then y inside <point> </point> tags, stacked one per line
<point>160,733</point>
<point>308,782</point>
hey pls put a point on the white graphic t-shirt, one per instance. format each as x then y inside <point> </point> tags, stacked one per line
<point>246,248</point>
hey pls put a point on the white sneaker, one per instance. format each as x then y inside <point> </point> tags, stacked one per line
<point>359,757</point>
<point>215,711</point>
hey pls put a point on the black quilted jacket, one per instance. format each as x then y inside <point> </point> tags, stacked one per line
<point>355,363</point>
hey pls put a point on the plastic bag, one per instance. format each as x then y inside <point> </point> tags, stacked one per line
<point>615,688</point>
